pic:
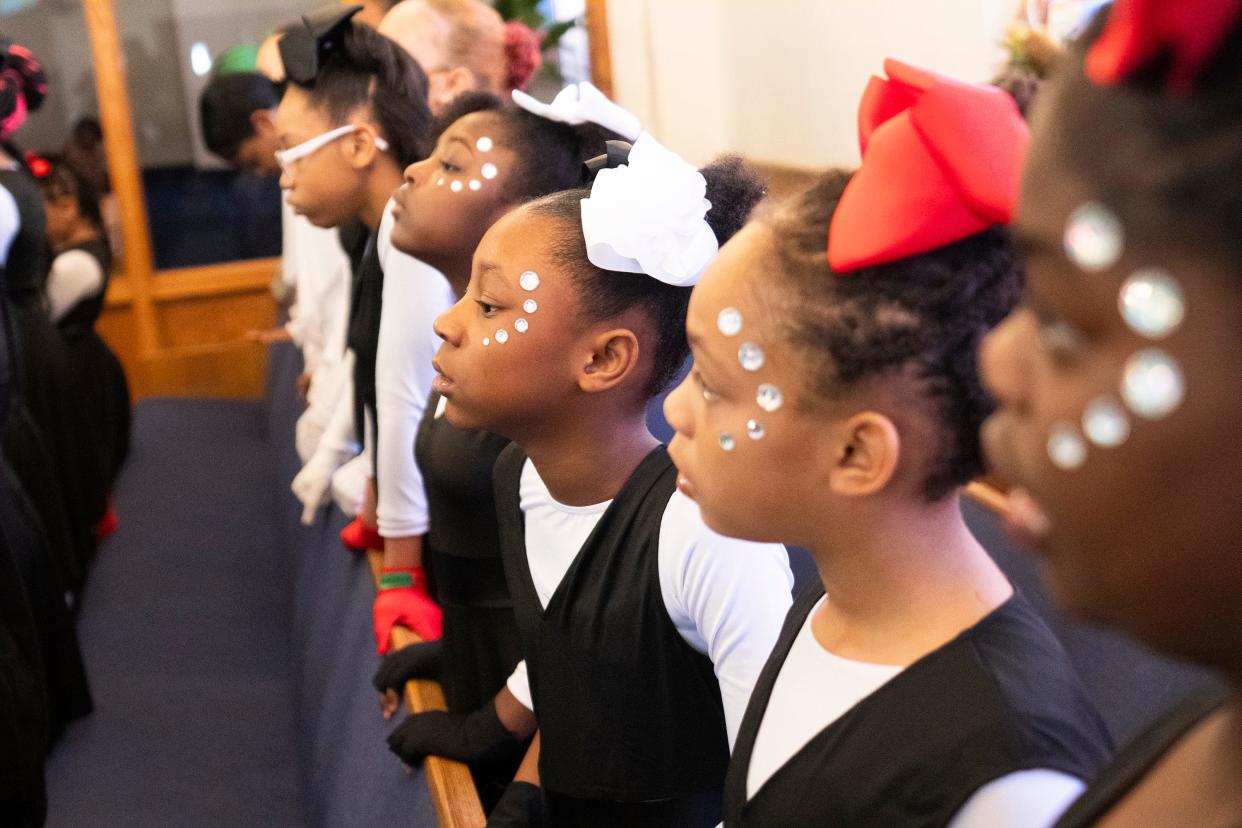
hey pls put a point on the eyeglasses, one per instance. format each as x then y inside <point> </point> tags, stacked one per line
<point>286,158</point>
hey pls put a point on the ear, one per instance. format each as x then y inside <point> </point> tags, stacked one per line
<point>611,358</point>
<point>867,448</point>
<point>361,147</point>
<point>455,81</point>
<point>263,121</point>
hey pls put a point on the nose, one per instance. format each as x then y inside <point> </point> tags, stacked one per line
<point>414,172</point>
<point>286,180</point>
<point>1003,359</point>
<point>446,325</point>
<point>677,409</point>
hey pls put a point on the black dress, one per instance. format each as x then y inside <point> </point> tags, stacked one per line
<point>1133,762</point>
<point>480,642</point>
<point>631,723</point>
<point>1002,697</point>
<point>98,371</point>
<point>365,307</point>
<point>45,379</point>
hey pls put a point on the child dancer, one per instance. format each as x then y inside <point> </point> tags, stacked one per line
<point>1118,408</point>
<point>834,393</point>
<point>642,630</point>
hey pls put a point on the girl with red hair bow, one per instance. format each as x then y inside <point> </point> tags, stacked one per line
<point>834,404</point>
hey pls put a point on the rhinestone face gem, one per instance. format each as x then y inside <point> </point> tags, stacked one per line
<point>727,442</point>
<point>729,322</point>
<point>751,356</point>
<point>755,430</point>
<point>456,186</point>
<point>1151,303</point>
<point>769,397</point>
<point>1105,422</point>
<point>486,341</point>
<point>440,181</point>
<point>529,280</point>
<point>1094,237</point>
<point>502,336</point>
<point>489,170</point>
<point>1066,449</point>
<point>475,184</point>
<point>484,144</point>
<point>521,325</point>
<point>1152,384</point>
<point>530,306</point>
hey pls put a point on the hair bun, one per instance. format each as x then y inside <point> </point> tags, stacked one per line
<point>23,86</point>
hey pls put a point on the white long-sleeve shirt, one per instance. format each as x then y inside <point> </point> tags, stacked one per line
<point>313,261</point>
<point>414,295</point>
<point>727,598</point>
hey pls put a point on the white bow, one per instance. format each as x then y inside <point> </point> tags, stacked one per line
<point>648,217</point>
<point>582,103</point>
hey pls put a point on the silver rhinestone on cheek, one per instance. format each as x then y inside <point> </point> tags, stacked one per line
<point>455,186</point>
<point>489,170</point>
<point>1105,423</point>
<point>769,397</point>
<point>1151,303</point>
<point>751,356</point>
<point>440,181</point>
<point>502,336</point>
<point>521,325</point>
<point>1066,449</point>
<point>484,144</point>
<point>529,280</point>
<point>1152,384</point>
<point>530,306</point>
<point>1094,237</point>
<point>755,430</point>
<point>727,442</point>
<point>486,342</point>
<point>729,322</point>
<point>475,183</point>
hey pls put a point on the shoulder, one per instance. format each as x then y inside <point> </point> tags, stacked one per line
<point>690,550</point>
<point>78,265</point>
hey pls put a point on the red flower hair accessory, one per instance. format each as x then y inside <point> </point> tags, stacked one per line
<point>1138,31</point>
<point>942,160</point>
<point>523,54</point>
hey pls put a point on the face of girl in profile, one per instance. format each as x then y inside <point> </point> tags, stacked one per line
<point>513,344</point>
<point>451,198</point>
<point>751,446</point>
<point>1140,529</point>
<point>324,186</point>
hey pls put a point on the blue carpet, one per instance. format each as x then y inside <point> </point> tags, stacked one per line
<point>185,629</point>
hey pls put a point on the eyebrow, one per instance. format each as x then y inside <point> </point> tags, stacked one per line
<point>459,139</point>
<point>489,270</point>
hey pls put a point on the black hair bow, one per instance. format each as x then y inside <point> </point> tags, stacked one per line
<point>305,50</point>
<point>617,154</point>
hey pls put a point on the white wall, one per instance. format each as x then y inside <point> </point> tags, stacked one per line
<point>779,80</point>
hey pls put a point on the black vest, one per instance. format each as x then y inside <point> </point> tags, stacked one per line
<point>1133,763</point>
<point>628,712</point>
<point>1000,698</point>
<point>365,306</point>
<point>81,318</point>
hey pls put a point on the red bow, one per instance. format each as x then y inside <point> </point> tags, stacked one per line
<point>941,161</point>
<point>1139,30</point>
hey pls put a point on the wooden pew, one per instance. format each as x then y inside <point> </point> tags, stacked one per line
<point>452,788</point>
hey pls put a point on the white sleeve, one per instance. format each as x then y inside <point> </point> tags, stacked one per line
<point>339,434</point>
<point>519,685</point>
<point>728,598</point>
<point>10,223</point>
<point>1026,799</point>
<point>414,295</point>
<point>75,275</point>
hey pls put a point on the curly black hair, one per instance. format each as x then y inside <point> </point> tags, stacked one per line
<point>550,154</point>
<point>733,188</point>
<point>371,70</point>
<point>923,316</point>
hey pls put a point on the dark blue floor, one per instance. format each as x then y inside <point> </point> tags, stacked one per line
<point>184,625</point>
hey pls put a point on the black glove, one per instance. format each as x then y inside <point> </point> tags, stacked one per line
<point>417,661</point>
<point>520,807</point>
<point>466,738</point>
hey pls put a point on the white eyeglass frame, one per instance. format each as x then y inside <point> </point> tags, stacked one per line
<point>286,158</point>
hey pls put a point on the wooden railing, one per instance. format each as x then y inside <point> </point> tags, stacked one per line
<point>452,788</point>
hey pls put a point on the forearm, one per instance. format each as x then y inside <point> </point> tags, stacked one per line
<point>404,552</point>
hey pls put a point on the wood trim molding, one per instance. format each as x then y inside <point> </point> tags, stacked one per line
<point>118,129</point>
<point>989,496</point>
<point>250,276</point>
<point>598,45</point>
<point>452,787</point>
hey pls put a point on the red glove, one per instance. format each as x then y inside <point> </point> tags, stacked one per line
<point>403,600</point>
<point>358,537</point>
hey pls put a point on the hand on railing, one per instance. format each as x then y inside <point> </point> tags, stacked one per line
<point>416,661</point>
